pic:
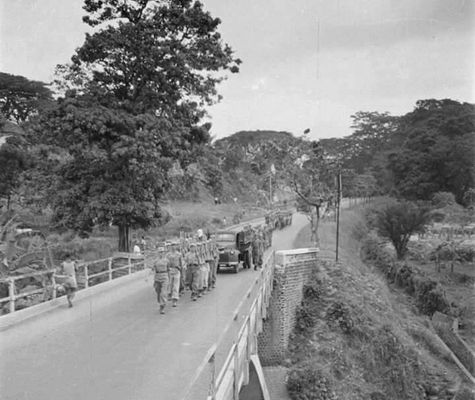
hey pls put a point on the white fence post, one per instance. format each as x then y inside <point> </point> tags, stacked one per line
<point>11,294</point>
<point>53,282</point>
<point>236,373</point>
<point>86,276</point>
<point>129,263</point>
<point>109,265</point>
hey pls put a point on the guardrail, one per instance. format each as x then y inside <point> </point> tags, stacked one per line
<point>102,271</point>
<point>234,371</point>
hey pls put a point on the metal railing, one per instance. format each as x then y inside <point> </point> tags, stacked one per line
<point>234,371</point>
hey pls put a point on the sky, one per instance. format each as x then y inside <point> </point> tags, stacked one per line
<point>306,63</point>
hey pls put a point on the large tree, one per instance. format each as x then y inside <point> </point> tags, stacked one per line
<point>135,92</point>
<point>438,152</point>
<point>311,174</point>
<point>13,158</point>
<point>20,97</point>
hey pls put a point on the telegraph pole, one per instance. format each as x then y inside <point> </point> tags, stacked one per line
<point>270,189</point>
<point>338,201</point>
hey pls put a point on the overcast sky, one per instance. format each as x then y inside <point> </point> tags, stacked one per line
<point>306,63</point>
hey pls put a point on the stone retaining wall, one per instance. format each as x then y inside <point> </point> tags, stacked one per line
<point>293,269</point>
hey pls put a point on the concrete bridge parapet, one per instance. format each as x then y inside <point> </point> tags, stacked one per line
<point>293,268</point>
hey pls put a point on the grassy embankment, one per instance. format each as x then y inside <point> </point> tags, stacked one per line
<point>357,338</point>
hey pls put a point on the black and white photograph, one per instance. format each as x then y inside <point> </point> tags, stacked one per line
<point>237,200</point>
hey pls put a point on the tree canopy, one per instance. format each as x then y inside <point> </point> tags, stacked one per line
<point>21,97</point>
<point>438,154</point>
<point>135,92</point>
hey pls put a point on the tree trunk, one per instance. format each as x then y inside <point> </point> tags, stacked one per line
<point>124,237</point>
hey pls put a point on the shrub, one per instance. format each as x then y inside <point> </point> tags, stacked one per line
<point>373,251</point>
<point>452,251</point>
<point>304,319</point>
<point>338,314</point>
<point>442,199</point>
<point>306,314</point>
<point>397,221</point>
<point>430,297</point>
<point>309,383</point>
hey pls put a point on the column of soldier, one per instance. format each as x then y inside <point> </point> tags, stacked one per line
<point>181,264</point>
<point>193,264</point>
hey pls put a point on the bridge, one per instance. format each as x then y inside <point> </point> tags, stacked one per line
<point>114,344</point>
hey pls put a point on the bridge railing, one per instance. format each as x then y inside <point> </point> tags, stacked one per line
<point>222,380</point>
<point>89,274</point>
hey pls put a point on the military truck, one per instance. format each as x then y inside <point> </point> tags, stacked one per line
<point>235,248</point>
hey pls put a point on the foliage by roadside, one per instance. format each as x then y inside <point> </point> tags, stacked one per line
<point>366,339</point>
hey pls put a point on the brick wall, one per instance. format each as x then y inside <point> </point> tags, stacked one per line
<point>293,268</point>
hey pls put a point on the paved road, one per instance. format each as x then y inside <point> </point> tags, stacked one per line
<point>117,345</point>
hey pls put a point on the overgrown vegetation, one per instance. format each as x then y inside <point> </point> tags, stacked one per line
<point>360,338</point>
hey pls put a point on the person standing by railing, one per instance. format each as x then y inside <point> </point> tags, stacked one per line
<point>68,273</point>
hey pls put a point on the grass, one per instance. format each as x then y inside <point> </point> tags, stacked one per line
<point>367,339</point>
<point>185,216</point>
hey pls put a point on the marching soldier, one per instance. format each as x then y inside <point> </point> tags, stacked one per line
<point>211,265</point>
<point>184,269</point>
<point>255,248</point>
<point>175,269</point>
<point>204,269</point>
<point>160,267</point>
<point>193,264</point>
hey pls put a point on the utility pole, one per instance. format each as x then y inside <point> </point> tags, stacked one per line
<point>338,201</point>
<point>270,190</point>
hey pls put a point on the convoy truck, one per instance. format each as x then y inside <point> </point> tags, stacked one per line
<point>235,249</point>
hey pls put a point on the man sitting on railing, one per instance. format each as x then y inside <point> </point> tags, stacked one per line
<point>68,274</point>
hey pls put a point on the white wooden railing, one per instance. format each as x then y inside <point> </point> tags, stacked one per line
<point>223,380</point>
<point>49,288</point>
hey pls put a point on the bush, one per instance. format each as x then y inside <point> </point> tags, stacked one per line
<point>452,251</point>
<point>430,297</point>
<point>309,383</point>
<point>304,320</point>
<point>442,199</point>
<point>339,315</point>
<point>82,249</point>
<point>306,314</point>
<point>373,251</point>
<point>397,221</point>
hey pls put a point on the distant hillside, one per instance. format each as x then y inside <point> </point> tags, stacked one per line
<point>245,138</point>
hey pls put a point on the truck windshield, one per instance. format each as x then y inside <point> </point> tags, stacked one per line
<point>225,237</point>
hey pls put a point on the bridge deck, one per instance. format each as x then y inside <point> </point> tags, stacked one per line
<point>117,346</point>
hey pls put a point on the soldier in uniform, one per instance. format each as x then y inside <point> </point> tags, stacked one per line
<point>68,269</point>
<point>184,269</point>
<point>212,265</point>
<point>193,265</point>
<point>160,267</point>
<point>175,270</point>
<point>204,269</point>
<point>255,248</point>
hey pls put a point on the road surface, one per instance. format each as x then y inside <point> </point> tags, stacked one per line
<point>117,345</point>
